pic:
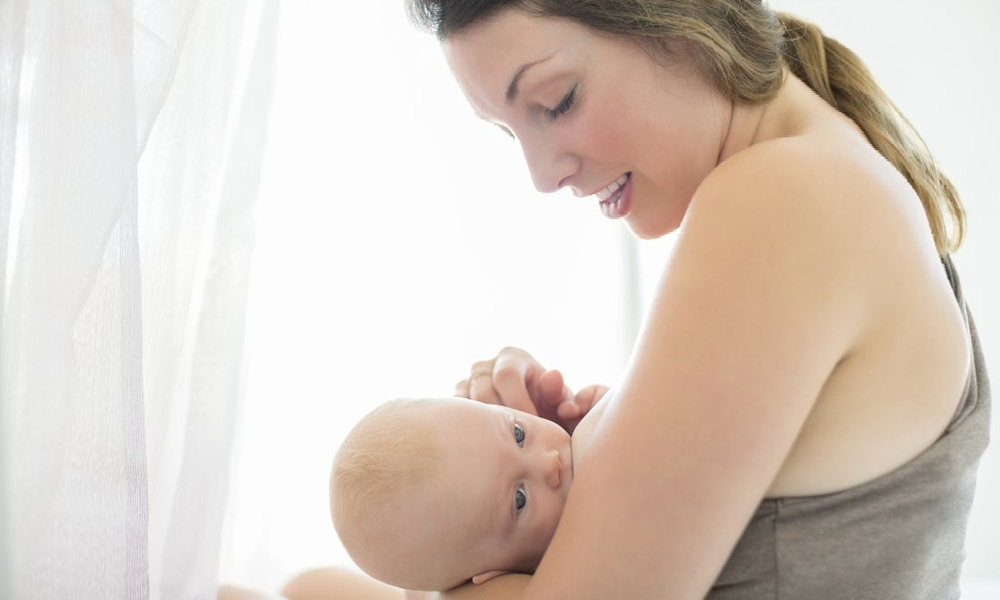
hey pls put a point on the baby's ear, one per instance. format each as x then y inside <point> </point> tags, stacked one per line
<point>484,577</point>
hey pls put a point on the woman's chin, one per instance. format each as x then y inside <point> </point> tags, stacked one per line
<point>644,230</point>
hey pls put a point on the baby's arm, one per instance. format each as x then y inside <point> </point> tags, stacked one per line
<point>334,583</point>
<point>505,587</point>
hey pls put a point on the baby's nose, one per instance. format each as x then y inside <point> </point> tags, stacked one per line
<point>552,468</point>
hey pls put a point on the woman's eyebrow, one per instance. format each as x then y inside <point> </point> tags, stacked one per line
<point>512,90</point>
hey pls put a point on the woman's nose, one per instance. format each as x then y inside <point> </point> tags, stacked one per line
<point>550,168</point>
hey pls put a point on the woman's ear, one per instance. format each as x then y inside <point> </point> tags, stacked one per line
<point>484,577</point>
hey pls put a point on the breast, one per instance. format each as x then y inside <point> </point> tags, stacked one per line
<point>584,429</point>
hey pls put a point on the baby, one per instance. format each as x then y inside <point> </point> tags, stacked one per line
<point>430,494</point>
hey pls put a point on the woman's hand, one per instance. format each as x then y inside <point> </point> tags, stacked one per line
<point>515,379</point>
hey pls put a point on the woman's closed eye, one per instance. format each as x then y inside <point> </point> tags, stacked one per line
<point>563,107</point>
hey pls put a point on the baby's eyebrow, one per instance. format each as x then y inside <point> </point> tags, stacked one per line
<point>506,517</point>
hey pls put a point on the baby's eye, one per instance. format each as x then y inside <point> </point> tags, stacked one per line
<point>518,434</point>
<point>520,499</point>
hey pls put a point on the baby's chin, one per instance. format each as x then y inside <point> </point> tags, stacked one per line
<point>528,564</point>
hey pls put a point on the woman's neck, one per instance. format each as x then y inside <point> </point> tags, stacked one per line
<point>787,114</point>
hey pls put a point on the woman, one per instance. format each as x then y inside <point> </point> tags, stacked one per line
<point>805,352</point>
<point>804,410</point>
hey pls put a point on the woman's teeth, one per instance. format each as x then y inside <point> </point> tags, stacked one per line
<point>611,189</point>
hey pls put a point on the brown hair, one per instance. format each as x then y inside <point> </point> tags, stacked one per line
<point>744,47</point>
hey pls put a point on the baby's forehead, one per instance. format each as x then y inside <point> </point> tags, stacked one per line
<point>447,411</point>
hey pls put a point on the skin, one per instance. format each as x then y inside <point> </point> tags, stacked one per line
<point>493,506</point>
<point>329,583</point>
<point>803,337</point>
<point>582,149</point>
<point>514,379</point>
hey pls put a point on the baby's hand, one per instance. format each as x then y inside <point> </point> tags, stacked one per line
<point>515,379</point>
<point>558,403</point>
<point>583,401</point>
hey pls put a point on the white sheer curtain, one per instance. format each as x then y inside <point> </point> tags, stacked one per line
<point>130,139</point>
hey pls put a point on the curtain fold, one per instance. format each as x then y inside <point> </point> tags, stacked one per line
<point>12,15</point>
<point>130,134</point>
<point>199,217</point>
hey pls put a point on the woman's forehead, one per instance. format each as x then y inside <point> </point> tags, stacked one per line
<point>486,56</point>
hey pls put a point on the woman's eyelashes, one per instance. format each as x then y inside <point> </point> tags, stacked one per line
<point>563,107</point>
<point>551,114</point>
<point>519,435</point>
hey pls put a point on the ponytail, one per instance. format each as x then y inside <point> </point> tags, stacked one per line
<point>840,78</point>
<point>743,45</point>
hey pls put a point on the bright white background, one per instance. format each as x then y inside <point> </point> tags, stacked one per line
<point>399,239</point>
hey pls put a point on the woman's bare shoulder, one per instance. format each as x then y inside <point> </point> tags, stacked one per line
<point>819,168</point>
<point>789,207</point>
<point>826,202</point>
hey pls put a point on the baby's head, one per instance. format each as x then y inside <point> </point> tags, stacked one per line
<point>430,494</point>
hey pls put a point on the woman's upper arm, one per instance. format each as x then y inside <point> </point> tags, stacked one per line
<point>758,304</point>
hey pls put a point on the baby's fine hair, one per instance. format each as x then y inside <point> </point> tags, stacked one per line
<point>385,456</point>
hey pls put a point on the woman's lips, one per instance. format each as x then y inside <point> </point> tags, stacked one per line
<point>615,199</point>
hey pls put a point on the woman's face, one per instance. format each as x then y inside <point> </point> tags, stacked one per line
<point>595,114</point>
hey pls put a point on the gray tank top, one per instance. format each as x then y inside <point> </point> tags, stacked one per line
<point>898,537</point>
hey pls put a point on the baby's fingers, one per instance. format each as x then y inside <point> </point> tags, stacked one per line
<point>589,396</point>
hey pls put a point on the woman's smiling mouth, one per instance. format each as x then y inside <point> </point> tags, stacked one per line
<point>613,200</point>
